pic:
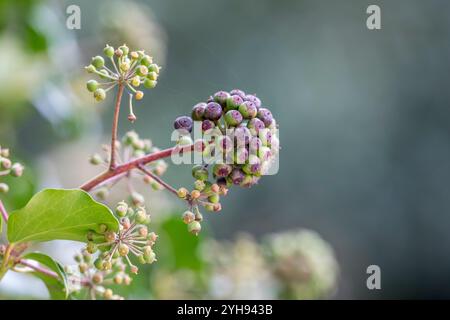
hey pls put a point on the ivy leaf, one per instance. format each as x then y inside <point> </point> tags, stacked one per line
<point>57,287</point>
<point>59,214</point>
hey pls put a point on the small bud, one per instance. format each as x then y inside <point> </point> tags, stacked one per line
<point>195,194</point>
<point>143,231</point>
<point>91,247</point>
<point>83,267</point>
<point>139,95</point>
<point>233,118</point>
<point>149,255</point>
<point>91,85</point>
<point>217,207</point>
<point>122,209</point>
<point>142,70</point>
<point>214,198</point>
<point>110,236</point>
<point>153,76</point>
<point>118,53</point>
<point>99,94</point>
<point>183,123</point>
<point>118,279</point>
<point>107,265</point>
<point>102,193</point>
<point>194,227</point>
<point>95,159</point>
<point>124,49</point>
<point>108,294</point>
<point>5,163</point>
<point>199,172</point>
<point>90,68</point>
<point>98,263</point>
<point>97,278</point>
<point>153,68</point>
<point>137,199</point>
<point>124,66</point>
<point>98,62</point>
<point>17,170</point>
<point>146,60</point>
<point>141,216</point>
<point>136,81</point>
<point>108,51</point>
<point>182,193</point>
<point>152,237</point>
<point>123,249</point>
<point>134,269</point>
<point>125,222</point>
<point>184,141</point>
<point>127,280</point>
<point>5,153</point>
<point>199,185</point>
<point>188,217</point>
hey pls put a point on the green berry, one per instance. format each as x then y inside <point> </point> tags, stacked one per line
<point>123,249</point>
<point>91,247</point>
<point>99,94</point>
<point>142,70</point>
<point>95,159</point>
<point>199,185</point>
<point>98,263</point>
<point>215,198</point>
<point>153,68</point>
<point>194,227</point>
<point>185,141</point>
<point>149,255</point>
<point>98,62</point>
<point>233,118</point>
<point>146,60</point>
<point>141,216</point>
<point>122,209</point>
<point>188,217</point>
<point>108,51</point>
<point>152,76</point>
<point>97,278</point>
<point>149,84</point>
<point>199,172</point>
<point>91,85</point>
<point>90,68</point>
<point>124,49</point>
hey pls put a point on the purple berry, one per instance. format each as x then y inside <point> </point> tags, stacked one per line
<point>265,116</point>
<point>213,111</point>
<point>254,99</point>
<point>238,92</point>
<point>242,135</point>
<point>183,122</point>
<point>222,170</point>
<point>207,125</point>
<point>198,111</point>
<point>225,144</point>
<point>255,144</point>
<point>248,110</point>
<point>255,125</point>
<point>234,101</point>
<point>221,97</point>
<point>237,176</point>
<point>233,118</point>
<point>241,155</point>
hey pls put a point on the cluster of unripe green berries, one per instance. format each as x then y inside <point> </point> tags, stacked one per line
<point>132,69</point>
<point>242,136</point>
<point>133,238</point>
<point>131,147</point>
<point>7,167</point>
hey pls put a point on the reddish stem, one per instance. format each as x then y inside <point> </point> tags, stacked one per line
<point>112,162</point>
<point>38,268</point>
<point>133,164</point>
<point>3,211</point>
<point>158,179</point>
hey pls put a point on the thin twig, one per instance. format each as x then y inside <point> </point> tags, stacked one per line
<point>3,211</point>
<point>112,162</point>
<point>158,179</point>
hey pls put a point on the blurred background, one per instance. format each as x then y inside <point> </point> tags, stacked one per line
<point>364,130</point>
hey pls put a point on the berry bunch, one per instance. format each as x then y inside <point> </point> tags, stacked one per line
<point>239,143</point>
<point>129,68</point>
<point>131,147</point>
<point>7,167</point>
<point>133,238</point>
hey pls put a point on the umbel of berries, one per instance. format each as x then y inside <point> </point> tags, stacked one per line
<point>239,145</point>
<point>133,70</point>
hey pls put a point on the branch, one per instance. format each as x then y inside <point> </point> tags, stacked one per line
<point>3,211</point>
<point>112,162</point>
<point>133,164</point>
<point>38,268</point>
<point>158,179</point>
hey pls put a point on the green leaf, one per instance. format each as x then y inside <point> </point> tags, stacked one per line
<point>59,214</point>
<point>57,287</point>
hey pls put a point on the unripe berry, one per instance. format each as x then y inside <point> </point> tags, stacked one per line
<point>254,99</point>
<point>118,53</point>
<point>254,125</point>
<point>214,198</point>
<point>188,217</point>
<point>241,156</point>
<point>247,182</point>
<point>233,118</point>
<point>98,263</point>
<point>4,152</point>
<point>152,237</point>
<point>78,258</point>
<point>222,170</point>
<point>137,199</point>
<point>207,125</point>
<point>99,94</point>
<point>199,172</point>
<point>91,85</point>
<point>237,176</point>
<point>153,68</point>
<point>234,101</point>
<point>124,66</point>
<point>127,280</point>
<point>142,71</point>
<point>107,265</point>
<point>124,49</point>
<point>217,207</point>
<point>199,185</point>
<point>83,267</point>
<point>125,222</point>
<point>238,92</point>
<point>198,216</point>
<point>98,62</point>
<point>97,278</point>
<point>248,110</point>
<point>183,123</point>
<point>139,95</point>
<point>108,51</point>
<point>108,294</point>
<point>182,193</point>
<point>198,111</point>
<point>110,236</point>
<point>149,84</point>
<point>152,76</point>
<point>264,153</point>
<point>215,188</point>
<point>141,216</point>
<point>91,247</point>
<point>221,97</point>
<point>149,256</point>
<point>136,81</point>
<point>102,193</point>
<point>184,141</point>
<point>17,170</point>
<point>146,60</point>
<point>90,68</point>
<point>213,111</point>
<point>194,227</point>
<point>122,209</point>
<point>143,231</point>
<point>265,116</point>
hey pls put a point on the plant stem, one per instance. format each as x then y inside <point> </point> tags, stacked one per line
<point>112,162</point>
<point>5,264</point>
<point>3,211</point>
<point>130,165</point>
<point>158,179</point>
<point>38,268</point>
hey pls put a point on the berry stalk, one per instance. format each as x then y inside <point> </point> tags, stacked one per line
<point>112,163</point>
<point>3,211</point>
